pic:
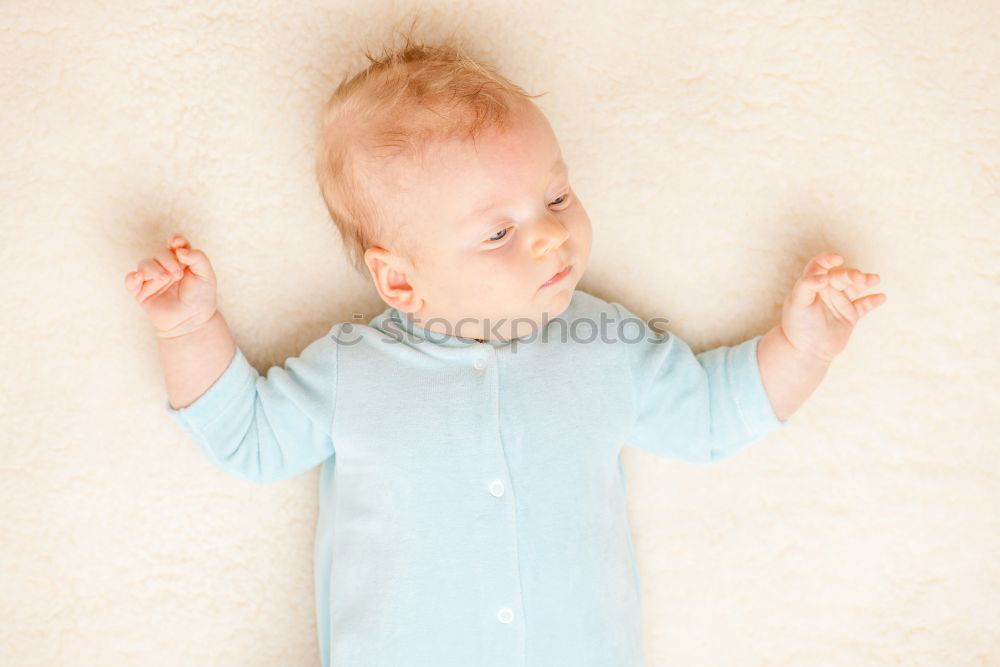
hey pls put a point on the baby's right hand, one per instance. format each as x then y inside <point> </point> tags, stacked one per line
<point>175,288</point>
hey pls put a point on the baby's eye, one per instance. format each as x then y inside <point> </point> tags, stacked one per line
<point>502,233</point>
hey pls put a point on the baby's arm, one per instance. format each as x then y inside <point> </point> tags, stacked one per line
<point>695,407</point>
<point>816,321</point>
<point>262,429</point>
<point>789,376</point>
<point>192,362</point>
<point>177,290</point>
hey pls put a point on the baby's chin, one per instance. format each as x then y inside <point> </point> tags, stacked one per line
<point>504,317</point>
<point>546,308</point>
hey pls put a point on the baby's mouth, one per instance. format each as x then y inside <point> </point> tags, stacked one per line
<point>558,276</point>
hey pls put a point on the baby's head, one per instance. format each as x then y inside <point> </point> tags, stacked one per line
<point>448,187</point>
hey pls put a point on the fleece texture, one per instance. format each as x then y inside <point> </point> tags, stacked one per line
<point>717,146</point>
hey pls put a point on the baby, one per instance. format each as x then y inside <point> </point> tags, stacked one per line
<point>472,500</point>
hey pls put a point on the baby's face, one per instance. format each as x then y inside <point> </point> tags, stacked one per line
<point>490,225</point>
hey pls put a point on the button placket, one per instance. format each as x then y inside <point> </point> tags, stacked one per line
<point>496,487</point>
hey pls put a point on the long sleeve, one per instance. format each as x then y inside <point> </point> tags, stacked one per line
<point>267,429</point>
<point>695,407</point>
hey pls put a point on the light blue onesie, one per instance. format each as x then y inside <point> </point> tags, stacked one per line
<point>472,498</point>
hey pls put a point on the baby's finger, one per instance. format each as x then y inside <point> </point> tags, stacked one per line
<point>822,263</point>
<point>133,281</point>
<point>843,277</point>
<point>178,241</point>
<point>153,279</point>
<point>840,305</point>
<point>197,261</point>
<point>860,285</point>
<point>868,303</point>
<point>168,261</point>
<point>152,270</point>
<point>152,286</point>
<point>804,291</point>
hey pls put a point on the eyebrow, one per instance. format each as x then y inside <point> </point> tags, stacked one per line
<point>559,163</point>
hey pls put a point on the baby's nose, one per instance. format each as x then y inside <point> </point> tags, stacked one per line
<point>550,235</point>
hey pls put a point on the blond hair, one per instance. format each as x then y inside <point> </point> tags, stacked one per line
<point>404,100</point>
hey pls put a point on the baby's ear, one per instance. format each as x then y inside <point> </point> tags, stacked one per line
<point>389,276</point>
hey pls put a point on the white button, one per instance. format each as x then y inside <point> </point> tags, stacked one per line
<point>505,615</point>
<point>480,364</point>
<point>496,488</point>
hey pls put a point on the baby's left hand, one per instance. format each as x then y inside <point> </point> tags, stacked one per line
<point>821,310</point>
